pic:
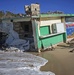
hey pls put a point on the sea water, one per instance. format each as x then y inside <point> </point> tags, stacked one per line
<point>17,63</point>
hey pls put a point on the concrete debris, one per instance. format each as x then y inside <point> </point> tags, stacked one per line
<point>32,47</point>
<point>13,42</point>
<point>70,42</point>
<point>71,50</point>
<point>12,49</point>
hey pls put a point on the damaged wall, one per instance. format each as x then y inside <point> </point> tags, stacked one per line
<point>24,29</point>
<point>13,42</point>
<point>44,34</point>
<point>17,27</point>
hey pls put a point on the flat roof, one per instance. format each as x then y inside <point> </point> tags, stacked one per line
<point>41,15</point>
<point>13,18</point>
<point>56,15</point>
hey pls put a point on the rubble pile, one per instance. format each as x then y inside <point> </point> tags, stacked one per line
<point>70,42</point>
<point>13,42</point>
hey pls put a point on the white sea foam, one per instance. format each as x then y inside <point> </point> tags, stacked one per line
<point>22,64</point>
<point>25,72</point>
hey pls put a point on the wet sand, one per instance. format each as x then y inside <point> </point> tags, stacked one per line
<point>60,61</point>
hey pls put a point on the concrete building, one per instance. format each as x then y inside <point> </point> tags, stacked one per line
<point>43,30</point>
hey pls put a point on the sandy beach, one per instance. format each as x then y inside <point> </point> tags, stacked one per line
<point>60,61</point>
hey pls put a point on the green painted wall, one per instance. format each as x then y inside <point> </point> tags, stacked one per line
<point>46,42</point>
<point>52,40</point>
<point>45,30</point>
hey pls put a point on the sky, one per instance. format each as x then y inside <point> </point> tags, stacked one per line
<point>17,6</point>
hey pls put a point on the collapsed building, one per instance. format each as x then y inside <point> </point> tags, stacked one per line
<point>42,30</point>
<point>34,31</point>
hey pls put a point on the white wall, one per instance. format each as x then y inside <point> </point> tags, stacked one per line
<point>50,22</point>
